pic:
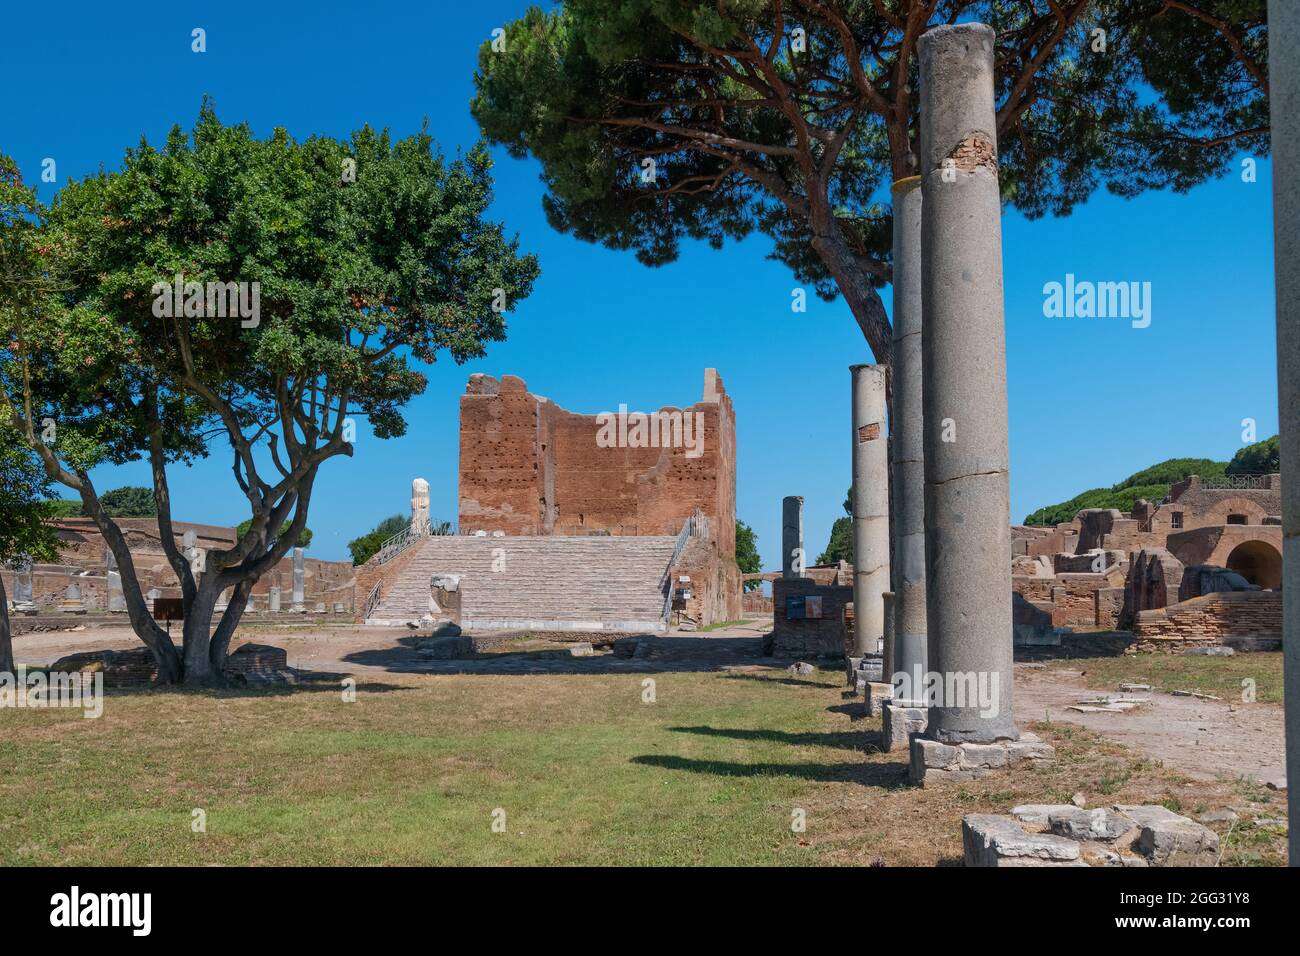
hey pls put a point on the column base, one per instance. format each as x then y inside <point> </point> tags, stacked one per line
<point>900,721</point>
<point>934,763</point>
<point>876,695</point>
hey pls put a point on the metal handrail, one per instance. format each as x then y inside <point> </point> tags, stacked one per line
<point>1237,481</point>
<point>399,542</point>
<point>372,600</point>
<point>696,526</point>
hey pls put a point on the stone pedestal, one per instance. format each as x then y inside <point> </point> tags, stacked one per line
<point>792,554</point>
<point>967,506</point>
<point>876,694</point>
<point>900,721</point>
<point>934,763</point>
<point>1284,105</point>
<point>72,602</point>
<point>275,599</point>
<point>870,497</point>
<point>113,581</point>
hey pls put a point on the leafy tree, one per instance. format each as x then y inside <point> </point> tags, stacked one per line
<point>304,536</point>
<point>840,546</point>
<point>129,502</point>
<point>1150,483</point>
<point>24,535</point>
<point>367,546</point>
<point>366,255</point>
<point>65,508</point>
<point>747,558</point>
<point>660,120</point>
<point>1261,458</point>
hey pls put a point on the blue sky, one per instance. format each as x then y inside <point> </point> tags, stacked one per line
<point>1091,400</point>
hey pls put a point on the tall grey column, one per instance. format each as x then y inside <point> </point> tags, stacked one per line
<point>792,558</point>
<point>870,507</point>
<point>907,435</point>
<point>967,503</point>
<point>299,580</point>
<point>1284,103</point>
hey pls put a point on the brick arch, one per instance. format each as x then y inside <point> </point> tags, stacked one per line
<point>1258,562</point>
<point>1218,513</point>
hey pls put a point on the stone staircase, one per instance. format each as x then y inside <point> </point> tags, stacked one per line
<point>594,583</point>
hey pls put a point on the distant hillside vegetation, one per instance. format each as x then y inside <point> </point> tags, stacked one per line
<point>1153,483</point>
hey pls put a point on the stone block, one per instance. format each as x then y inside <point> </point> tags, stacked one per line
<point>1096,825</point>
<point>446,648</point>
<point>1037,815</point>
<point>876,695</point>
<point>900,723</point>
<point>936,763</point>
<point>982,756</point>
<point>990,840</point>
<point>1166,838</point>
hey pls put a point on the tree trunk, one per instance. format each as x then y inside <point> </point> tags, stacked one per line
<point>220,646</point>
<point>862,297</point>
<point>197,635</point>
<point>6,638</point>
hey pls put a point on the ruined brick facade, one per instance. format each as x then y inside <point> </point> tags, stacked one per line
<point>529,467</point>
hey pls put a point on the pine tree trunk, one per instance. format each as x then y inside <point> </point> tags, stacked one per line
<point>6,637</point>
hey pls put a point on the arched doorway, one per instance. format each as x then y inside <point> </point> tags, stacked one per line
<point>1258,562</point>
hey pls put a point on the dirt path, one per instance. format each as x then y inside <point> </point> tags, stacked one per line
<point>1205,739</point>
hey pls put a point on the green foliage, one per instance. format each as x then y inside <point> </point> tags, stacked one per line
<point>1153,483</point>
<point>840,546</point>
<point>365,547</point>
<point>1120,498</point>
<point>1261,458</point>
<point>24,504</point>
<point>304,537</point>
<point>747,557</point>
<point>129,502</point>
<point>65,508</point>
<point>739,124</point>
<point>1175,469</point>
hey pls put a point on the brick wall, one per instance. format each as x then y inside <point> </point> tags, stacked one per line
<point>529,467</point>
<point>1248,619</point>
<point>809,637</point>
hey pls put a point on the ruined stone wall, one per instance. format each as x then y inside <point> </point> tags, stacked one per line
<point>1250,620</point>
<point>82,552</point>
<point>529,467</point>
<point>809,637</point>
<point>1201,507</point>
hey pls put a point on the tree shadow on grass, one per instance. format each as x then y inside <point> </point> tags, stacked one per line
<point>328,685</point>
<point>847,740</point>
<point>787,681</point>
<point>887,776</point>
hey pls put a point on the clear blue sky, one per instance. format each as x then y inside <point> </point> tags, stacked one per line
<point>1092,400</point>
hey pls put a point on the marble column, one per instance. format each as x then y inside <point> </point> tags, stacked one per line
<point>907,436</point>
<point>1284,104</point>
<point>419,505</point>
<point>299,581</point>
<point>870,498</point>
<point>964,389</point>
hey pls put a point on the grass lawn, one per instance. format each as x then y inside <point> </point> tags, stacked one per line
<point>713,772</point>
<point>1221,676</point>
